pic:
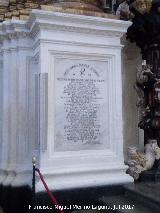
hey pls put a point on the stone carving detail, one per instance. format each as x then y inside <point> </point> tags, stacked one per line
<point>123,11</point>
<point>81,123</point>
<point>127,9</point>
<point>144,77</point>
<point>139,162</point>
<point>141,6</point>
<point>144,74</point>
<point>82,126</point>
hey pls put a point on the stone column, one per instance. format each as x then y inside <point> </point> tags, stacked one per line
<point>89,5</point>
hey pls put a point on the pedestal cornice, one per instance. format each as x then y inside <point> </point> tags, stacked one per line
<point>64,21</point>
<point>73,21</point>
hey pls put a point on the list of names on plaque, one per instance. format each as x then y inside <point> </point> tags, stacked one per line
<point>80,100</point>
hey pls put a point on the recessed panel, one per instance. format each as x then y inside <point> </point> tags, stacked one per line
<point>81,105</point>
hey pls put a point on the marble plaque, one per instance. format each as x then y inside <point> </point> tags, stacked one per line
<point>81,109</point>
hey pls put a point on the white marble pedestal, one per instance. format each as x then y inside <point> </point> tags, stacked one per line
<point>62,100</point>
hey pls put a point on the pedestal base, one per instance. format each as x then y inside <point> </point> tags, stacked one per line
<point>65,100</point>
<point>84,179</point>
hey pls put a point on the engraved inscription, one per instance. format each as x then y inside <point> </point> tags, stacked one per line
<point>82,101</point>
<point>81,111</point>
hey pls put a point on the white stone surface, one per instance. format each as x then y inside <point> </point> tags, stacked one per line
<point>81,104</point>
<point>39,56</point>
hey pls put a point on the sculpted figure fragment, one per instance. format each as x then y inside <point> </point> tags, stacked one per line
<point>139,162</point>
